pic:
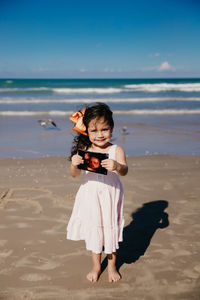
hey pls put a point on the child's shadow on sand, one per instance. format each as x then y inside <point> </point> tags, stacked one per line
<point>138,234</point>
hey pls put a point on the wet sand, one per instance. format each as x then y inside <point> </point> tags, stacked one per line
<point>159,258</point>
<point>23,137</point>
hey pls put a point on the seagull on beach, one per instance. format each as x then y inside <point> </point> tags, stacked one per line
<point>45,123</point>
<point>124,130</point>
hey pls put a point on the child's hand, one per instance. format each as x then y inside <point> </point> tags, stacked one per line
<point>109,164</point>
<point>77,160</point>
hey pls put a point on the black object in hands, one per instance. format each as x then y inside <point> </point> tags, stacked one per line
<point>92,161</point>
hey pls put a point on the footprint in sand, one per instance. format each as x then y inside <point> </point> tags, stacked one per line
<point>197,268</point>
<point>38,263</point>
<point>35,277</point>
<point>47,265</point>
<point>5,253</point>
<point>54,230</point>
<point>191,274</point>
<point>22,225</point>
<point>32,242</point>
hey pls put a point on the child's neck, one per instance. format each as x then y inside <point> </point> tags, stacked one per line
<point>100,149</point>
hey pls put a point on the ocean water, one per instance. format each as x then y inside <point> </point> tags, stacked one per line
<point>161,115</point>
<point>125,96</point>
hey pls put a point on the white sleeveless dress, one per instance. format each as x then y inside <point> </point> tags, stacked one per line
<point>97,215</point>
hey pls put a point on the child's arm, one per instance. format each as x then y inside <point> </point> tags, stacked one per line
<point>119,165</point>
<point>76,160</point>
<point>122,167</point>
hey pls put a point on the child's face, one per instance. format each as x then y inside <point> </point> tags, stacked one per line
<point>99,132</point>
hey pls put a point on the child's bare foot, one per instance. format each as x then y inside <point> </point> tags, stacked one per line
<point>113,275</point>
<point>93,275</point>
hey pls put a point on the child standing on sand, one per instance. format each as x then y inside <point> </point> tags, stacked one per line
<point>97,216</point>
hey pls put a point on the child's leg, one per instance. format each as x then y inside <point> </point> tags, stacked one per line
<point>113,275</point>
<point>93,275</point>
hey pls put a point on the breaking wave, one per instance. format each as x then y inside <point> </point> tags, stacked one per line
<point>119,112</point>
<point>164,87</point>
<point>8,100</point>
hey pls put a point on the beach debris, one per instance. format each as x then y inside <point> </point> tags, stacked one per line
<point>4,194</point>
<point>47,123</point>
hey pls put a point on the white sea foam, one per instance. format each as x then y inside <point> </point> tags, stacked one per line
<point>8,100</point>
<point>120,112</point>
<point>35,113</point>
<point>158,112</point>
<point>163,87</point>
<point>65,90</point>
<point>87,90</point>
<point>3,90</point>
<point>150,87</point>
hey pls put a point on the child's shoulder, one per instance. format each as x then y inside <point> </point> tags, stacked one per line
<point>116,147</point>
<point>120,151</point>
<point>119,148</point>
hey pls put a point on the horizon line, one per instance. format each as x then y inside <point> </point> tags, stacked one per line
<point>95,78</point>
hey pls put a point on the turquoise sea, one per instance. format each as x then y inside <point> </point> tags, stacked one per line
<point>161,115</point>
<point>133,96</point>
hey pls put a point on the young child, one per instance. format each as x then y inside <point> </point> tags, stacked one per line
<point>97,216</point>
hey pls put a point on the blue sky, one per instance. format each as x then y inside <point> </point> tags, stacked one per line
<point>99,39</point>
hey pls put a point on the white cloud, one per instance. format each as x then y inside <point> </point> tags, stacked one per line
<point>83,70</point>
<point>165,66</point>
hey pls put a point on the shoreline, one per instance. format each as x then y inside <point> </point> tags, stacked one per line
<point>4,159</point>
<point>24,137</point>
<point>160,254</point>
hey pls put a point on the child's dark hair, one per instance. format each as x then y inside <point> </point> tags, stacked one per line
<point>95,111</point>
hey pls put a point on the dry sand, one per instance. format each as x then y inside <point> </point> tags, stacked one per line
<point>159,258</point>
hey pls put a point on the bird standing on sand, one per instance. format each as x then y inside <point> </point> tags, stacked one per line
<point>123,130</point>
<point>45,123</point>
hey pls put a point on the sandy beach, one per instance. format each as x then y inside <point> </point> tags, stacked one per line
<point>159,258</point>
